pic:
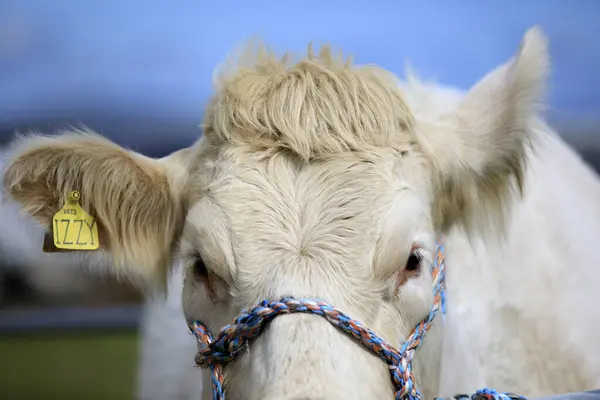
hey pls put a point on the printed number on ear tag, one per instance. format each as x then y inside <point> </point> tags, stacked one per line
<point>73,228</point>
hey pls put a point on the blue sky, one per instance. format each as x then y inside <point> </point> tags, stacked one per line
<point>157,57</point>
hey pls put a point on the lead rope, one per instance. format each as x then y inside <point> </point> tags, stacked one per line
<point>215,354</point>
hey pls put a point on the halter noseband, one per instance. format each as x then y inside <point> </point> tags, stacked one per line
<point>215,354</point>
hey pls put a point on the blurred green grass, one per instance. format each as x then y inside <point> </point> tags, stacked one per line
<point>72,365</point>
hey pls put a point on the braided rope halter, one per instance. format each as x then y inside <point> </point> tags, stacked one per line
<point>216,353</point>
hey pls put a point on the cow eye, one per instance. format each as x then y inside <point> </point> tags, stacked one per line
<point>199,268</point>
<point>414,261</point>
<point>411,269</point>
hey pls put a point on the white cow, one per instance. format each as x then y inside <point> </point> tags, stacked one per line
<point>319,179</point>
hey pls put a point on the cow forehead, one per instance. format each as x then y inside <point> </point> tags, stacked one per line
<point>280,210</point>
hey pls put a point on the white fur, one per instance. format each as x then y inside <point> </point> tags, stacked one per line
<point>166,364</point>
<point>504,291</point>
<point>522,316</point>
<point>521,313</point>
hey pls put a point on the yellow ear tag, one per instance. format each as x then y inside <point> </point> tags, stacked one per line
<point>73,228</point>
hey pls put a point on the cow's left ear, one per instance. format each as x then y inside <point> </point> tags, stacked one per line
<point>480,150</point>
<point>136,201</point>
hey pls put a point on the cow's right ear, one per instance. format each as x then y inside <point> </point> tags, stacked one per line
<point>136,201</point>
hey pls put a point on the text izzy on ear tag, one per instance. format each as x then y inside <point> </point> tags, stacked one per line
<point>73,228</point>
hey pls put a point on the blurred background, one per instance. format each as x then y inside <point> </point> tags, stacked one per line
<point>140,73</point>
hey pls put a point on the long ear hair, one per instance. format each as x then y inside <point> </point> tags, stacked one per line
<point>135,200</point>
<point>479,152</point>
